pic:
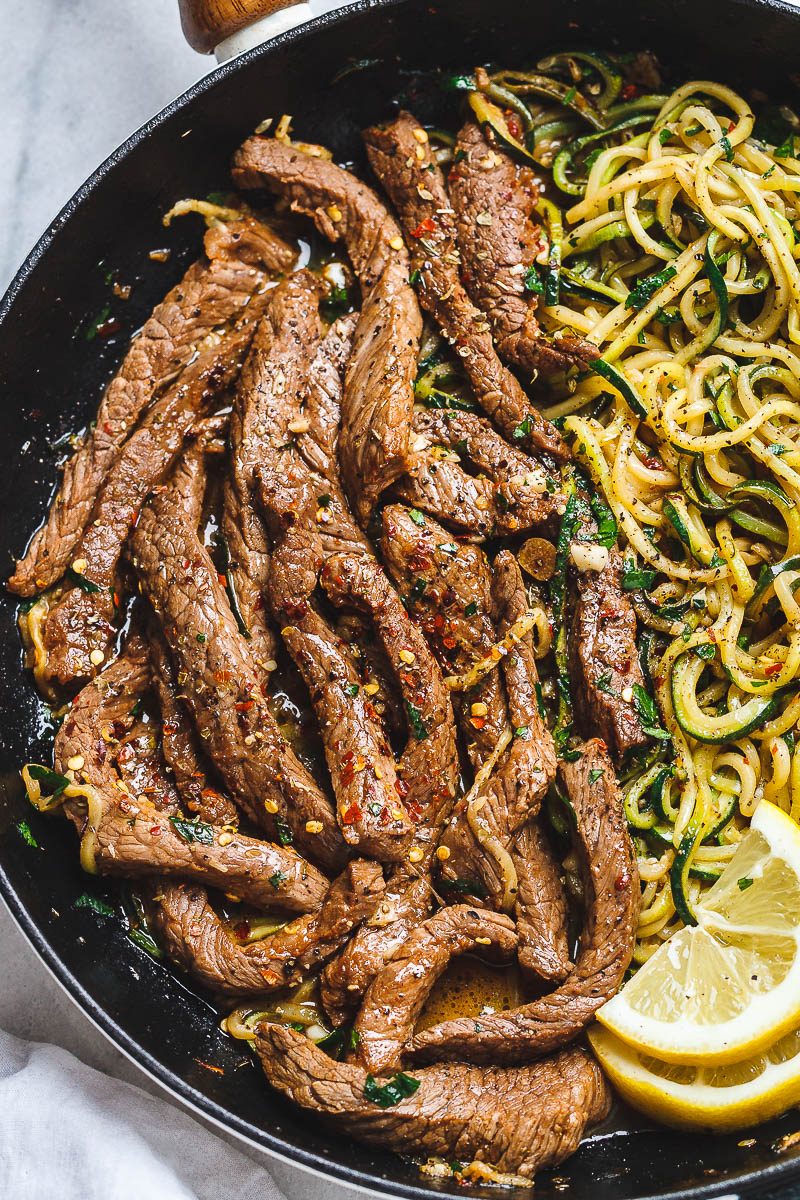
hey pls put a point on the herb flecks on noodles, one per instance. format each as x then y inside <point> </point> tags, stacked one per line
<point>679,260</point>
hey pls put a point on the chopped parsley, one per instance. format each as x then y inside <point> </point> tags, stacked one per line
<point>471,608</point>
<point>418,588</point>
<point>648,714</point>
<point>533,283</point>
<point>201,637</point>
<point>335,304</point>
<point>727,148</point>
<point>449,548</point>
<point>523,429</point>
<point>603,682</point>
<point>595,773</point>
<point>351,689</point>
<point>386,1095</point>
<point>50,781</point>
<point>418,726</point>
<point>95,904</point>
<point>744,883</point>
<point>26,833</point>
<point>414,278</point>
<point>81,581</point>
<point>277,879</point>
<point>523,733</point>
<point>416,516</point>
<point>193,831</point>
<point>284,833</point>
<point>706,651</point>
<point>634,580</point>
<point>324,500</point>
<point>646,288</point>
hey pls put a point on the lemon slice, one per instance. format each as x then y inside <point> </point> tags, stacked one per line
<point>711,1098</point>
<point>729,987</point>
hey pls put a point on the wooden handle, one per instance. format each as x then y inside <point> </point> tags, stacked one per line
<point>206,23</point>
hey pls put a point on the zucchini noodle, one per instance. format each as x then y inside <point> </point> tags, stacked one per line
<point>679,243</point>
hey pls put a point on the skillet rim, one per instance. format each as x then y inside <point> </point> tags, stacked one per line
<point>777,1174</point>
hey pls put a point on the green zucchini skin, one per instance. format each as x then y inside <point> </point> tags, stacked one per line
<point>726,727</point>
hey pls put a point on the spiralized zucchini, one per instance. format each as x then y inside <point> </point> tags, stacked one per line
<point>680,259</point>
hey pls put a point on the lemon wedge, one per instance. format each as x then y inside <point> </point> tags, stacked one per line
<point>729,987</point>
<point>709,1098</point>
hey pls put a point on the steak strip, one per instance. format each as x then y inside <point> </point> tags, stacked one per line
<point>494,201</point>
<point>82,623</point>
<point>221,681</point>
<point>604,659</point>
<point>379,388</point>
<point>482,485</point>
<point>401,157</point>
<point>132,838</point>
<point>195,937</point>
<point>612,897</point>
<point>518,1119</point>
<point>396,997</point>
<point>214,292</point>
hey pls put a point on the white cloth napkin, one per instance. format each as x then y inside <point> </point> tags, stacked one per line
<point>68,1131</point>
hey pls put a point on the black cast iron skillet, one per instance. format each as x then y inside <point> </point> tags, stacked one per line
<point>52,371</point>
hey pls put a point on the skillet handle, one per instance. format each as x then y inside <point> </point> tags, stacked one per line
<point>231,26</point>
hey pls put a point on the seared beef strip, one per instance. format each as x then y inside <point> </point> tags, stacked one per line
<point>469,476</point>
<point>125,834</point>
<point>194,936</point>
<point>494,201</point>
<point>371,814</point>
<point>604,660</point>
<point>446,587</point>
<point>396,997</point>
<point>612,897</point>
<point>214,294</point>
<point>276,370</point>
<point>517,1119</point>
<point>406,168</point>
<point>319,444</point>
<point>80,625</point>
<point>541,908</point>
<point>480,833</point>
<point>428,771</point>
<point>198,792</point>
<point>221,681</point>
<point>379,387</point>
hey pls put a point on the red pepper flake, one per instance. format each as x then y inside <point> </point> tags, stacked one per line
<point>731,127</point>
<point>630,91</point>
<point>477,722</point>
<point>108,328</point>
<point>352,815</point>
<point>622,881</point>
<point>209,1067</point>
<point>108,427</point>
<point>242,930</point>
<point>415,811</point>
<point>348,775</point>
<point>513,125</point>
<point>401,787</point>
<point>243,706</point>
<point>155,830</point>
<point>449,642</point>
<point>426,226</point>
<point>773,669</point>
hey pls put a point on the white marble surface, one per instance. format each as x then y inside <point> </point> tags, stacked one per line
<point>78,76</point>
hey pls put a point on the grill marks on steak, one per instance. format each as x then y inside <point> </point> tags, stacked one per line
<point>132,837</point>
<point>221,682</point>
<point>519,1119</point>
<point>611,888</point>
<point>604,659</point>
<point>483,486</point>
<point>414,183</point>
<point>195,936</point>
<point>214,294</point>
<point>493,201</point>
<point>396,996</point>
<point>379,386</point>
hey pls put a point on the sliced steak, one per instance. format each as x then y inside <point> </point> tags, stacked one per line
<point>319,444</point>
<point>125,834</point>
<point>447,588</point>
<point>469,476</point>
<point>81,625</point>
<point>379,388</point>
<point>194,935</point>
<point>604,659</point>
<point>371,814</point>
<point>612,897</point>
<point>222,685</point>
<point>214,294</point>
<point>396,997</point>
<point>494,201</point>
<point>517,1119</point>
<point>200,794</point>
<point>541,909</point>
<point>480,833</point>
<point>406,168</point>
<point>275,372</point>
<point>427,770</point>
